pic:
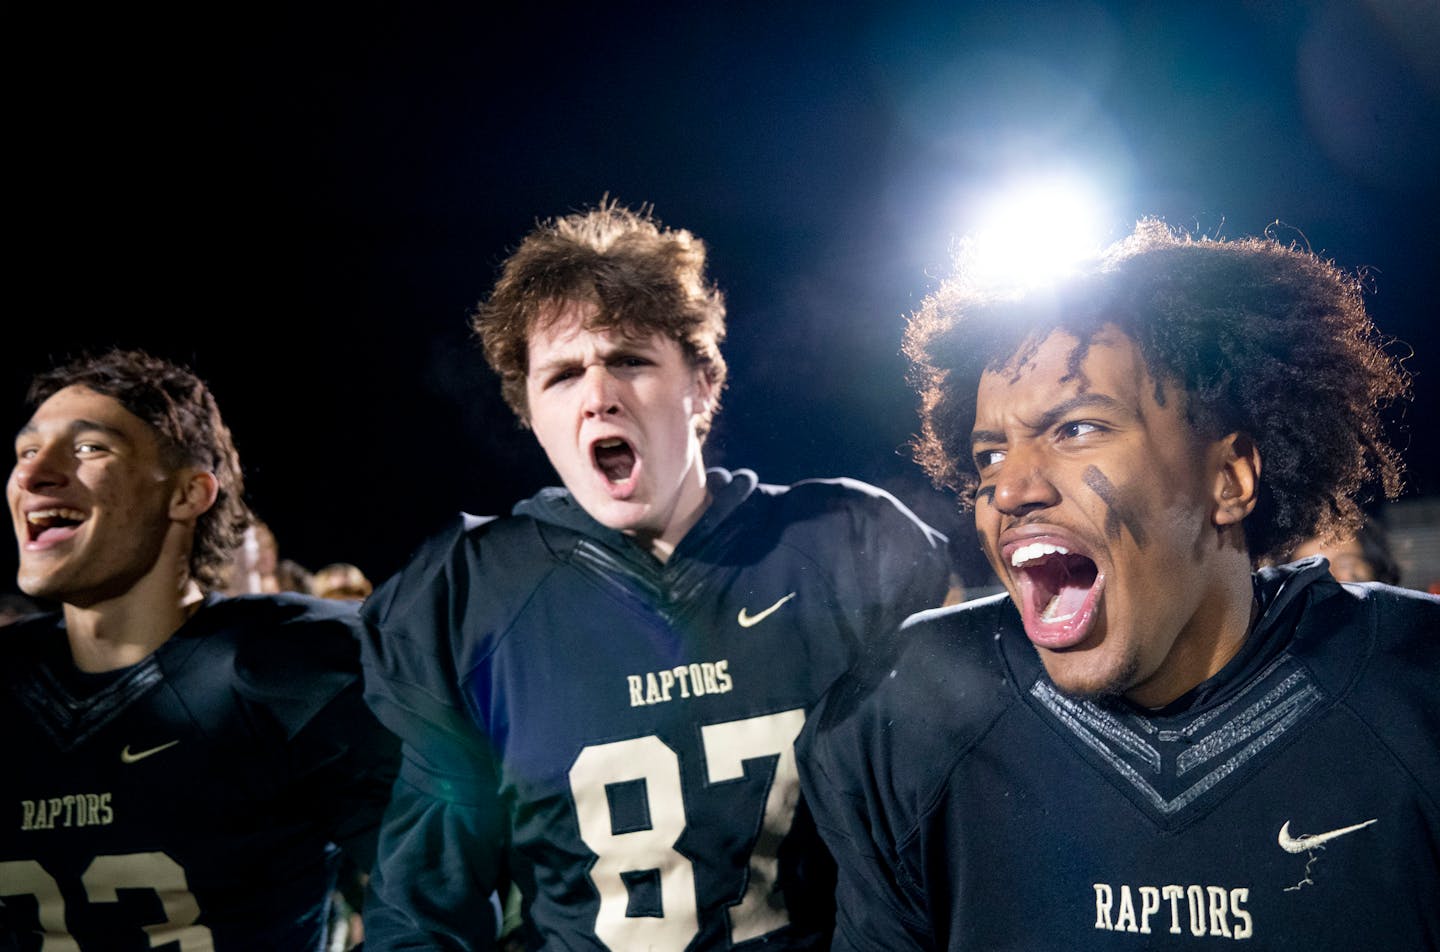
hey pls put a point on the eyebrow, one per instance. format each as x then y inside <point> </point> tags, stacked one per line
<point>76,427</point>
<point>621,348</point>
<point>1057,413</point>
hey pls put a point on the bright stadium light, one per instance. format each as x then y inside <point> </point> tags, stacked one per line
<point>1032,233</point>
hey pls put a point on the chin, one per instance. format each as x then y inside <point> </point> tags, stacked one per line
<point>620,515</point>
<point>1076,677</point>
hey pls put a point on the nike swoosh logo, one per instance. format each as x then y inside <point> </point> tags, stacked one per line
<point>746,620</point>
<point>1299,844</point>
<point>128,758</point>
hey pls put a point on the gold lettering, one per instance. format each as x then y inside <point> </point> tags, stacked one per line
<point>707,671</point>
<point>1104,899</point>
<point>1173,893</point>
<point>70,810</point>
<point>1244,926</point>
<point>1219,925</point>
<point>1196,897</point>
<point>1149,905</point>
<point>695,680</point>
<point>1126,919</point>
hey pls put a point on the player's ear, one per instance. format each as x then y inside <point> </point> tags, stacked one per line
<point>194,493</point>
<point>704,392</point>
<point>1236,461</point>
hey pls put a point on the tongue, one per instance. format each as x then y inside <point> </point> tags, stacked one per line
<point>54,532</point>
<point>616,462</point>
<point>1066,602</point>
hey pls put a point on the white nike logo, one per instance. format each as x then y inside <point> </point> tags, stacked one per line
<point>746,620</point>
<point>1299,844</point>
<point>128,758</point>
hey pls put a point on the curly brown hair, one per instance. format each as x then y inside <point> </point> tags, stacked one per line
<point>181,410</point>
<point>643,279</point>
<point>1262,338</point>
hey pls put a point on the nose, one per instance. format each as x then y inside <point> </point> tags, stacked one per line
<point>39,471</point>
<point>600,395</point>
<point>1023,485</point>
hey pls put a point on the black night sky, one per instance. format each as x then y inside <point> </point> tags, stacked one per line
<point>303,201</point>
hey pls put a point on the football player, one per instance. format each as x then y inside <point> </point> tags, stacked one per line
<point>599,694</point>
<point>181,769</point>
<point>1143,743</point>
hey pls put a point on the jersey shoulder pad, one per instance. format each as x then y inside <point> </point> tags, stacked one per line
<point>867,511</point>
<point>446,560</point>
<point>938,689</point>
<point>1376,649</point>
<point>291,654</point>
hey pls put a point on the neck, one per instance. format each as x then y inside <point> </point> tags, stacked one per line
<point>1215,634</point>
<point>125,630</point>
<point>691,504</point>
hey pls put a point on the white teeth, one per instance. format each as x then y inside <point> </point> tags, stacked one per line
<point>1033,551</point>
<point>43,515</point>
<point>611,443</point>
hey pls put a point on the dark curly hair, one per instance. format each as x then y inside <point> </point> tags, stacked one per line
<point>1263,339</point>
<point>181,410</point>
<point>642,277</point>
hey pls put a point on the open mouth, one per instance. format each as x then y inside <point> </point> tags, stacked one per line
<point>615,459</point>
<point>52,524</point>
<point>1059,589</point>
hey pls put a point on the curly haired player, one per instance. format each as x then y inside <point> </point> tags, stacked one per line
<point>1145,740</point>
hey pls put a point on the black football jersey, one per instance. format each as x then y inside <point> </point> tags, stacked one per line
<point>617,735</point>
<point>1292,801</point>
<point>195,801</point>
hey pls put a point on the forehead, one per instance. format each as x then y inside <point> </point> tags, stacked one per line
<point>77,407</point>
<point>1044,373</point>
<point>569,329</point>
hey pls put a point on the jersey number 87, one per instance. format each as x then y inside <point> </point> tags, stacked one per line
<point>727,746</point>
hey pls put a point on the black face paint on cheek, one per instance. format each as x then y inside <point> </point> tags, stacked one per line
<point>1117,514</point>
<point>986,493</point>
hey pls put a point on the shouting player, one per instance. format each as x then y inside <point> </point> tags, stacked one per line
<point>181,769</point>
<point>599,695</point>
<point>1143,744</point>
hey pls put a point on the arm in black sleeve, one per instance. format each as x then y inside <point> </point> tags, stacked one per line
<point>877,908</point>
<point>444,835</point>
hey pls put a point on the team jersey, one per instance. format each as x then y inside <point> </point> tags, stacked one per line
<point>616,735</point>
<point>195,801</point>
<point>1289,802</point>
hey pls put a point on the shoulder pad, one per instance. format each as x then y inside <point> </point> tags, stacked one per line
<point>292,654</point>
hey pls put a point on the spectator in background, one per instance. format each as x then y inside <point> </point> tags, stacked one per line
<point>291,576</point>
<point>1362,556</point>
<point>341,580</point>
<point>251,570</point>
